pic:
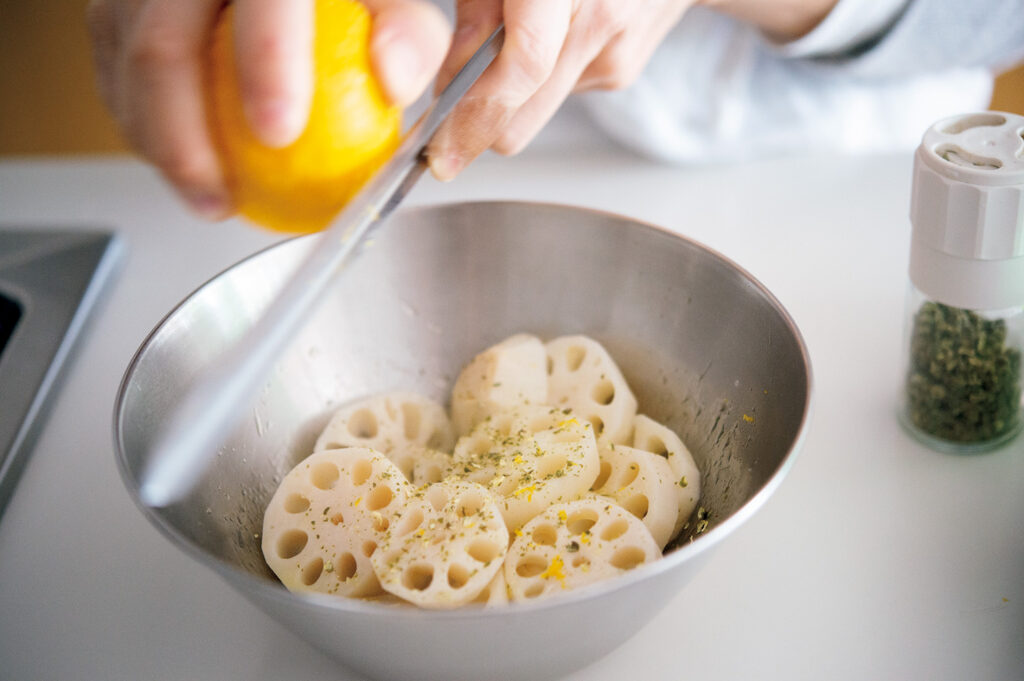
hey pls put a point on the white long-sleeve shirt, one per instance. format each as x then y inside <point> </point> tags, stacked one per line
<point>871,77</point>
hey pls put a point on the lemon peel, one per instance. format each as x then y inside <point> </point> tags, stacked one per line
<point>352,128</point>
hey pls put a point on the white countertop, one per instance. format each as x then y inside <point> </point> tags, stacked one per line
<point>876,559</point>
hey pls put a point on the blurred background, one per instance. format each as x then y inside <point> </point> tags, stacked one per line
<point>48,103</point>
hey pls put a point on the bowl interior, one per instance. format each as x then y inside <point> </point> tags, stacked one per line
<point>707,350</point>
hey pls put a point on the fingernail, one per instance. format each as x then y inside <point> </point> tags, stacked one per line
<point>276,121</point>
<point>402,70</point>
<point>445,167</point>
<point>208,205</point>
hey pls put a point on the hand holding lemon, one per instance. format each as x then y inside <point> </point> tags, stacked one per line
<point>351,127</point>
<point>155,62</point>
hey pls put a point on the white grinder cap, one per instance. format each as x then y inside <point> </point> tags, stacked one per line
<point>967,212</point>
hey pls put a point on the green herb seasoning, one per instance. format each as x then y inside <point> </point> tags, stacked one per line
<point>963,385</point>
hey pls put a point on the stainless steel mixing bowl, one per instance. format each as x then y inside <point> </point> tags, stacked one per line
<point>706,348</point>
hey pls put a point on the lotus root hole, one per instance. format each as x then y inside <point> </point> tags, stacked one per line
<point>545,422</point>
<point>629,475</point>
<point>581,521</point>
<point>412,417</point>
<point>469,504</point>
<point>410,521</point>
<point>312,570</point>
<point>501,424</point>
<point>324,475</point>
<point>363,424</point>
<point>655,445</point>
<point>296,503</point>
<point>615,529</point>
<point>435,441</point>
<point>369,547</point>
<point>507,486</point>
<point>379,497</point>
<point>479,445</point>
<point>534,590</point>
<point>337,518</point>
<point>291,543</point>
<point>545,535</point>
<point>433,474</point>
<point>405,464</point>
<point>550,463</point>
<point>627,558</point>
<point>637,505</point>
<point>597,423</point>
<point>580,561</point>
<point>483,551</point>
<point>361,471</point>
<point>437,496</point>
<point>531,566</point>
<point>458,575</point>
<point>602,475</point>
<point>418,577</point>
<point>551,365</point>
<point>604,392</point>
<point>574,357</point>
<point>345,566</point>
<point>380,523</point>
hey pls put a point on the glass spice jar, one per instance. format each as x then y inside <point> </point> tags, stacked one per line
<point>965,309</point>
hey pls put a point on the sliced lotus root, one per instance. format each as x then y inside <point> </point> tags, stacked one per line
<point>395,424</point>
<point>651,436</point>
<point>530,458</point>
<point>643,484</point>
<point>446,547</point>
<point>584,377</point>
<point>575,544</point>
<point>495,594</point>
<point>429,466</point>
<point>327,518</point>
<point>502,376</point>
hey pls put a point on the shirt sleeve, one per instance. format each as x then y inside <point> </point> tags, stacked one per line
<point>931,36</point>
<point>717,91</point>
<point>850,24</point>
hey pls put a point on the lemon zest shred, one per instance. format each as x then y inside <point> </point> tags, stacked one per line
<point>528,491</point>
<point>555,571</point>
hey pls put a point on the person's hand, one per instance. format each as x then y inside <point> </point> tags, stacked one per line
<point>557,47</point>
<point>150,58</point>
<point>552,49</point>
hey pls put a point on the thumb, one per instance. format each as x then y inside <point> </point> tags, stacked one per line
<point>409,42</point>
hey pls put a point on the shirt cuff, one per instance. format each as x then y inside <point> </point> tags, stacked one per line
<point>849,24</point>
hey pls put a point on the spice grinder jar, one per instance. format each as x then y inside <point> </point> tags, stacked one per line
<point>965,308</point>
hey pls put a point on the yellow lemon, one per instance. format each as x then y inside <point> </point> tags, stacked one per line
<point>352,128</point>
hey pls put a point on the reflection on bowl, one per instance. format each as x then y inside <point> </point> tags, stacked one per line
<point>706,349</point>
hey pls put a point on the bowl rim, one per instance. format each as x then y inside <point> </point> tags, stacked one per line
<point>252,586</point>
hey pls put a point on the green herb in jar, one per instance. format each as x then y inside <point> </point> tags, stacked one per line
<point>964,381</point>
